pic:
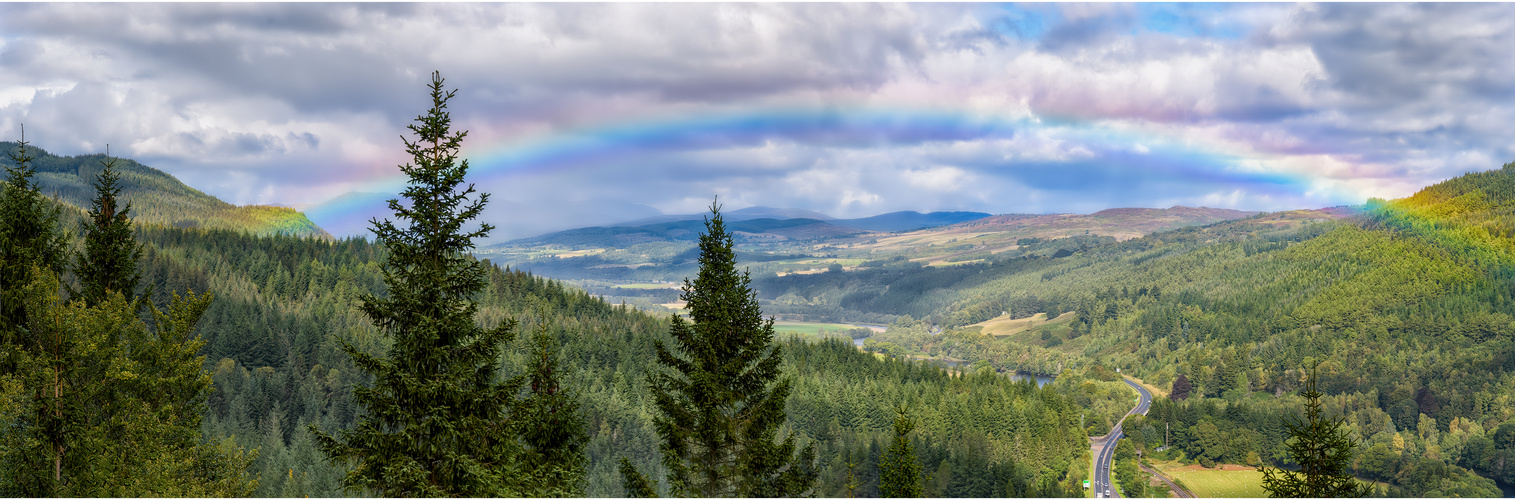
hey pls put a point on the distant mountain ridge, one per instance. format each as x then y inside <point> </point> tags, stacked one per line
<point>764,223</point>
<point>685,230</point>
<point>910,220</point>
<point>747,224</point>
<point>1121,223</point>
<point>749,213</point>
<point>157,197</point>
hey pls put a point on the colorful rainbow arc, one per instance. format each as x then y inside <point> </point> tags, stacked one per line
<point>612,146</point>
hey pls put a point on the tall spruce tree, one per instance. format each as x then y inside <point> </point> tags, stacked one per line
<point>1323,451</point>
<point>437,421</point>
<point>723,402</point>
<point>31,236</point>
<point>899,474</point>
<point>109,260</point>
<point>552,429</point>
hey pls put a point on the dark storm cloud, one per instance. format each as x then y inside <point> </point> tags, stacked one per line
<point>1382,54</point>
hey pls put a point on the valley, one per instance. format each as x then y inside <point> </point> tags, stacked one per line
<point>1411,294</point>
<point>1402,305</point>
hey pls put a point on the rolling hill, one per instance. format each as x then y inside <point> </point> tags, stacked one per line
<point>1405,310</point>
<point>909,221</point>
<point>1121,223</point>
<point>157,197</point>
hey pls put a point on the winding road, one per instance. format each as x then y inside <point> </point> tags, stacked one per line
<point>1103,488</point>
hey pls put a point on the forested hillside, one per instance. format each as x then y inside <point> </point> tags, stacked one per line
<point>1406,308</point>
<point>158,198</point>
<point>283,303</point>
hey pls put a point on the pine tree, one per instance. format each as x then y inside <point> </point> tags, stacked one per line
<point>721,408</point>
<point>899,473</point>
<point>109,408</point>
<point>437,416</point>
<point>552,429</point>
<point>636,484</point>
<point>1323,451</point>
<point>109,260</point>
<point>29,230</point>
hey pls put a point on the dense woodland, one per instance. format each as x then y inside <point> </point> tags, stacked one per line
<point>272,347</point>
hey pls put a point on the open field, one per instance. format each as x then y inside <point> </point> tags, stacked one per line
<point>1003,325</point>
<point>806,266</point>
<point>809,328</point>
<point>947,263</point>
<point>916,239</point>
<point>1224,481</point>
<point>646,286</point>
<point>578,253</point>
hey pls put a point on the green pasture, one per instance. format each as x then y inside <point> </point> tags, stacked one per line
<point>1221,483</point>
<point>1216,483</point>
<point>805,328</point>
<point>644,286</point>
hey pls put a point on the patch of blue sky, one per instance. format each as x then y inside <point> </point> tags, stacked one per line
<point>1206,20</point>
<point>1025,22</point>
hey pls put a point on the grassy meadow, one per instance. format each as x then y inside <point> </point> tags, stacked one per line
<point>1224,481</point>
<point>805,328</point>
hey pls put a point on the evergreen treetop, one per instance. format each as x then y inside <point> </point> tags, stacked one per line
<point>109,260</point>
<point>1323,451</point>
<point>553,430</point>
<point>722,402</point>
<point>437,420</point>
<point>29,229</point>
<point>899,473</point>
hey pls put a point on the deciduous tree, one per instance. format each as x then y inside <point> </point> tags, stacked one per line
<point>1181,388</point>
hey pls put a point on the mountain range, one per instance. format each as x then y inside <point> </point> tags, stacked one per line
<point>747,224</point>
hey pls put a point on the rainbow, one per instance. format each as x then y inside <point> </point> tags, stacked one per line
<point>612,145</point>
<point>1458,215</point>
<point>1123,149</point>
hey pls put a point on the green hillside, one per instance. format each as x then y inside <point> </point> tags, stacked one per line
<point>1407,308</point>
<point>284,303</point>
<point>158,198</point>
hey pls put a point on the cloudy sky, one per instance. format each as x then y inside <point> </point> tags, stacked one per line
<point>585,113</point>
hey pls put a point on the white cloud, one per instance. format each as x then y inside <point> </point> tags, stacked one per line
<point>289,103</point>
